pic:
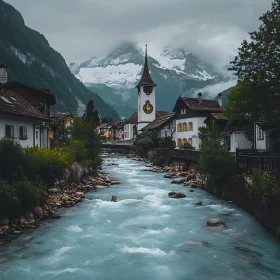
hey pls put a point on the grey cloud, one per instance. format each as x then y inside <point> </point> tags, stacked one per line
<point>79,29</point>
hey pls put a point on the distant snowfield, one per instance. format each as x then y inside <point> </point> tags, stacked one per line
<point>112,75</point>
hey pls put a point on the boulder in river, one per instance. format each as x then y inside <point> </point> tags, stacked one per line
<point>215,223</point>
<point>114,198</point>
<point>199,203</point>
<point>178,181</point>
<point>176,195</point>
<point>115,182</point>
<point>38,211</point>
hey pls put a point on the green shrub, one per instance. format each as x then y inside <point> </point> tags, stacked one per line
<point>265,186</point>
<point>160,161</point>
<point>16,199</point>
<point>10,203</point>
<point>11,156</point>
<point>215,160</point>
<point>47,164</point>
<point>187,146</point>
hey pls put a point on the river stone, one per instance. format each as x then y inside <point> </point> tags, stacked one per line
<point>215,223</point>
<point>178,181</point>
<point>114,199</point>
<point>64,198</point>
<point>190,177</point>
<point>4,221</point>
<point>17,232</point>
<point>191,190</point>
<point>38,211</point>
<point>100,187</point>
<point>29,215</point>
<point>55,215</point>
<point>115,182</point>
<point>199,203</point>
<point>53,190</point>
<point>176,195</point>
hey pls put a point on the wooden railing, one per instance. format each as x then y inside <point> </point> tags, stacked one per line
<point>179,154</point>
<point>247,162</point>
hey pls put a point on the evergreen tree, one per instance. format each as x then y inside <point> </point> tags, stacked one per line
<point>257,67</point>
<point>91,113</point>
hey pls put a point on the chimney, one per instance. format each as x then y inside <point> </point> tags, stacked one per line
<point>199,96</point>
<point>220,99</point>
<point>3,73</point>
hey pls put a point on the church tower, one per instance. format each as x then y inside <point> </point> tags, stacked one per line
<point>146,97</point>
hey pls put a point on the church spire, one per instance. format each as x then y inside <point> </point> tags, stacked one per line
<point>146,79</point>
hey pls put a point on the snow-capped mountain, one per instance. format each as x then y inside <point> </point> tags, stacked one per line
<point>114,76</point>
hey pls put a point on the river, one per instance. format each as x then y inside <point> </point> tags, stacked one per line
<point>146,235</point>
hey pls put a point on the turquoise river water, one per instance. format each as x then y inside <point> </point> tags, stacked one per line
<point>146,235</point>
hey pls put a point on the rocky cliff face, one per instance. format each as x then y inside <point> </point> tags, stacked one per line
<point>175,71</point>
<point>33,61</point>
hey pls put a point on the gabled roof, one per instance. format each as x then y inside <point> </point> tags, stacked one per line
<point>15,104</point>
<point>158,122</point>
<point>146,79</point>
<point>215,116</point>
<point>12,85</point>
<point>204,105</point>
<point>133,119</point>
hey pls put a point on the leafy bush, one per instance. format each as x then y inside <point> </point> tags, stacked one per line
<point>265,186</point>
<point>16,199</point>
<point>11,156</point>
<point>46,163</point>
<point>160,161</point>
<point>187,146</point>
<point>215,160</point>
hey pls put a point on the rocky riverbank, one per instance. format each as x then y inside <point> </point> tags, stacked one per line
<point>61,197</point>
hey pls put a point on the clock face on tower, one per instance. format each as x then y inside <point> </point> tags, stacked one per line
<point>148,89</point>
<point>148,107</point>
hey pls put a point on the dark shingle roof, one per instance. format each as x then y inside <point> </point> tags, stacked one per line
<point>134,117</point>
<point>205,105</point>
<point>158,122</point>
<point>13,103</point>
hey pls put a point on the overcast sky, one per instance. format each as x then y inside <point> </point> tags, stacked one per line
<point>80,29</point>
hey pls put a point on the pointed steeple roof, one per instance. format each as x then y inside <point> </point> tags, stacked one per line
<point>146,79</point>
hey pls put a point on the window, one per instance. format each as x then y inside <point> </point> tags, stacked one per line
<point>190,126</point>
<point>184,127</point>
<point>182,111</point>
<point>22,132</point>
<point>178,127</point>
<point>190,141</point>
<point>37,136</point>
<point>185,111</point>
<point>9,131</point>
<point>260,132</point>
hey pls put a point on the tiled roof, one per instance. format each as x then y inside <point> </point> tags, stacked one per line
<point>58,117</point>
<point>12,85</point>
<point>205,105</point>
<point>158,122</point>
<point>133,119</point>
<point>218,116</point>
<point>13,103</point>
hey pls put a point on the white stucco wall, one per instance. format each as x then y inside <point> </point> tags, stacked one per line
<point>28,123</point>
<point>143,118</point>
<point>239,141</point>
<point>129,129</point>
<point>260,142</point>
<point>193,134</point>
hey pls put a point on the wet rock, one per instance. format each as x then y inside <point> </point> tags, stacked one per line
<point>22,220</point>
<point>112,164</point>
<point>53,190</point>
<point>38,211</point>
<point>81,194</point>
<point>4,221</point>
<point>199,203</point>
<point>114,199</point>
<point>45,207</point>
<point>100,187</point>
<point>6,227</point>
<point>191,190</point>
<point>190,177</point>
<point>55,215</point>
<point>29,215</point>
<point>115,182</point>
<point>67,203</point>
<point>215,223</point>
<point>176,195</point>
<point>30,226</point>
<point>64,198</point>
<point>178,181</point>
